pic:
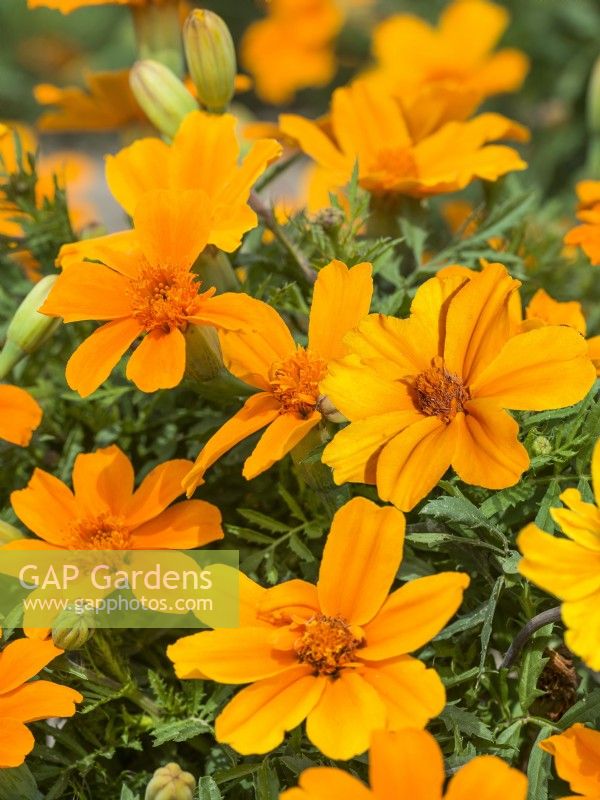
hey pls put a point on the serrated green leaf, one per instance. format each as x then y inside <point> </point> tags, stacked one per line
<point>531,667</point>
<point>266,782</point>
<point>207,789</point>
<point>585,711</point>
<point>263,521</point>
<point>301,550</point>
<point>179,731</point>
<point>462,721</point>
<point>538,768</point>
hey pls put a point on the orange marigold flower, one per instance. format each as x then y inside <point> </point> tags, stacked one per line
<point>74,171</point>
<point>105,513</point>
<point>287,376</point>
<point>20,415</point>
<point>144,287</point>
<point>292,48</point>
<point>335,654</point>
<point>587,236</point>
<point>22,700</point>
<point>434,388</point>
<point>401,162</point>
<point>454,62</point>
<point>106,103</point>
<point>409,764</point>
<point>570,570</point>
<point>576,755</point>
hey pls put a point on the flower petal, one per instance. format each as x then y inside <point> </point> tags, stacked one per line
<point>413,462</point>
<point>411,693</point>
<point>158,362</point>
<point>22,659</point>
<point>46,506</point>
<point>341,299</point>
<point>257,718</point>
<point>487,778</point>
<point>580,521</point>
<point>577,757</point>
<point>281,436</point>
<point>16,742</point>
<point>258,411</point>
<point>230,311</point>
<point>488,452</point>
<point>582,618</point>
<point>136,170</point>
<point>184,526</point>
<point>407,764</point>
<point>20,415</point>
<point>172,226</point>
<point>88,291</point>
<point>236,655</point>
<point>561,567</point>
<point>360,560</point>
<point>341,723</point>
<point>413,615</point>
<point>102,481</point>
<point>159,488</point>
<point>38,700</point>
<point>95,358</point>
<point>325,783</point>
<point>541,369</point>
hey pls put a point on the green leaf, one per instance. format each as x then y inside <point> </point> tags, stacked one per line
<point>18,783</point>
<point>179,731</point>
<point>462,721</point>
<point>235,773</point>
<point>486,631</point>
<point>532,665</point>
<point>266,782</point>
<point>263,521</point>
<point>301,550</point>
<point>538,769</point>
<point>127,794</point>
<point>463,512</point>
<point>208,789</point>
<point>586,710</point>
<point>551,499</point>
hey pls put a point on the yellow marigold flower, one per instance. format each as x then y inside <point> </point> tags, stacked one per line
<point>292,48</point>
<point>587,236</point>
<point>105,513</point>
<point>454,62</point>
<point>434,388</point>
<point>144,287</point>
<point>335,654</point>
<point>576,755</point>
<point>22,700</point>
<point>571,569</point>
<point>20,415</point>
<point>409,764</point>
<point>287,376</point>
<point>398,163</point>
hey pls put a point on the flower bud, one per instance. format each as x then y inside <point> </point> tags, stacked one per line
<point>203,353</point>
<point>211,60</point>
<point>593,100</point>
<point>171,783</point>
<point>72,629</point>
<point>28,329</point>
<point>161,95</point>
<point>8,533</point>
<point>541,446</point>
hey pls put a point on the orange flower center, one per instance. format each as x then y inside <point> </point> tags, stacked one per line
<point>328,644</point>
<point>164,297</point>
<point>439,393</point>
<point>295,382</point>
<point>102,532</point>
<point>396,162</point>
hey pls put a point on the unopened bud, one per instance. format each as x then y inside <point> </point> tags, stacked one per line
<point>203,354</point>
<point>593,100</point>
<point>171,783</point>
<point>330,219</point>
<point>28,329</point>
<point>72,629</point>
<point>161,95</point>
<point>541,446</point>
<point>210,54</point>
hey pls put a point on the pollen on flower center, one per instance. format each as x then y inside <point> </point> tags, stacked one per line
<point>327,644</point>
<point>102,532</point>
<point>295,382</point>
<point>396,162</point>
<point>164,296</point>
<point>439,393</point>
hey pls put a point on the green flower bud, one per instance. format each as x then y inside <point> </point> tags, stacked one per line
<point>593,100</point>
<point>171,783</point>
<point>211,60</point>
<point>8,533</point>
<point>541,446</point>
<point>28,329</point>
<point>161,95</point>
<point>203,353</point>
<point>71,630</point>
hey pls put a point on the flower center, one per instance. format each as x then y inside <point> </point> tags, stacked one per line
<point>439,393</point>
<point>102,532</point>
<point>164,296</point>
<point>295,382</point>
<point>327,644</point>
<point>396,162</point>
